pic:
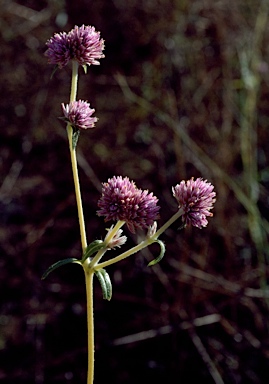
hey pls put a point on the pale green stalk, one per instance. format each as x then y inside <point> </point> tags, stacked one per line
<point>74,81</point>
<point>126,254</point>
<point>166,225</point>
<point>89,273</point>
<point>74,160</point>
<point>145,243</point>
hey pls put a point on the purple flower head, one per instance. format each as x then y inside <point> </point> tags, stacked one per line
<point>196,198</point>
<point>79,114</point>
<point>58,52</point>
<point>122,200</point>
<point>86,45</point>
<point>82,44</point>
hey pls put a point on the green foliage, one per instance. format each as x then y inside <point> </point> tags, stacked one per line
<point>92,248</point>
<point>161,255</point>
<point>75,137</point>
<point>105,283</point>
<point>59,264</point>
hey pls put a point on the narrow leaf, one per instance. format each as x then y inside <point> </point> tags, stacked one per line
<point>108,284</point>
<point>75,137</point>
<point>59,264</point>
<point>105,283</point>
<point>92,248</point>
<point>161,255</point>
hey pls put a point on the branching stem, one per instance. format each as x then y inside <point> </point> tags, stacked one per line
<point>148,241</point>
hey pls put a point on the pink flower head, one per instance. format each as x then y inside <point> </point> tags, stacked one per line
<point>82,44</point>
<point>196,199</point>
<point>86,45</point>
<point>79,114</point>
<point>58,52</point>
<point>122,200</point>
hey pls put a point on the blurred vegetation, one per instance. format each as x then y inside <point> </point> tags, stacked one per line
<point>183,91</point>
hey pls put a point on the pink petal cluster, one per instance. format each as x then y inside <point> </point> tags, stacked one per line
<point>79,114</point>
<point>196,198</point>
<point>82,44</point>
<point>59,51</point>
<point>122,200</point>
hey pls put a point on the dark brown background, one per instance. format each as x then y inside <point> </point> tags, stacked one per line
<point>200,69</point>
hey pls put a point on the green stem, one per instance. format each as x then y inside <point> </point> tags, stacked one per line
<point>89,273</point>
<point>145,243</point>
<point>77,188</point>
<point>126,254</point>
<point>168,223</point>
<point>73,156</point>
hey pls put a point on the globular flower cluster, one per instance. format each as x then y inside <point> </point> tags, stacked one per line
<point>122,200</point>
<point>82,44</point>
<point>58,51</point>
<point>196,198</point>
<point>79,114</point>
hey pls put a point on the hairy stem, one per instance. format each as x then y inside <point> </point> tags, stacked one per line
<point>89,273</point>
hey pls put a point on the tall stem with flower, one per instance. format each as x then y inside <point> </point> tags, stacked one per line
<point>121,201</point>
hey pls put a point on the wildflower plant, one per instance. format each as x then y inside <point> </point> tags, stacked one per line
<point>121,201</point>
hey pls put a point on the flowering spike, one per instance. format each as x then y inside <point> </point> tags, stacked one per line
<point>196,198</point>
<point>122,200</point>
<point>79,114</point>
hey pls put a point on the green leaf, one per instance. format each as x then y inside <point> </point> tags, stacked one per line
<point>75,136</point>
<point>92,248</point>
<point>59,264</point>
<point>105,283</point>
<point>161,255</point>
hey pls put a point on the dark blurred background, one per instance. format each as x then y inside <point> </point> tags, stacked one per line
<point>182,92</point>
